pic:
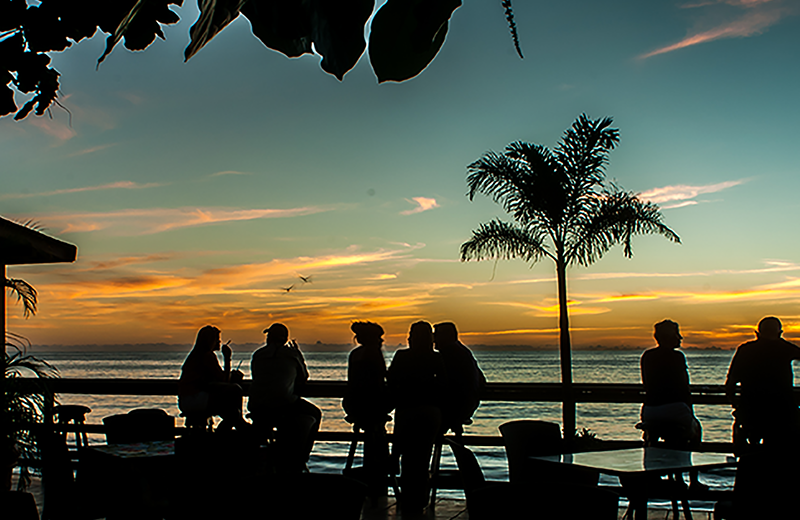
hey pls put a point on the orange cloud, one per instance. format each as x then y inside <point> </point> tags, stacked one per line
<point>423,204</point>
<point>683,192</point>
<point>127,185</point>
<point>760,15</point>
<point>157,220</point>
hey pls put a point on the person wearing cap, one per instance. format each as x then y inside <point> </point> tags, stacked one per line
<point>665,377</point>
<point>760,386</point>
<point>279,372</point>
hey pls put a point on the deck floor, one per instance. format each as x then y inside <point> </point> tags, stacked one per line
<point>386,509</point>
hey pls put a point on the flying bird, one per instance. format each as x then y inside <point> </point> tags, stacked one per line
<point>306,279</point>
<point>288,289</point>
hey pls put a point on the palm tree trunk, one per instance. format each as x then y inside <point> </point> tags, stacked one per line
<point>565,346</point>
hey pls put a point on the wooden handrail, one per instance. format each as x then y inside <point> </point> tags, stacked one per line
<point>541,392</point>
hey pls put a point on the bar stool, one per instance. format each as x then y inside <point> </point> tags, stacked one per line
<point>76,414</point>
<point>359,433</point>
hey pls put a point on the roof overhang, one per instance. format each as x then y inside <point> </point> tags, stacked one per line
<point>22,245</point>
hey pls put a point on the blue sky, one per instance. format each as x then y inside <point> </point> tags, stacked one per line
<point>197,191</point>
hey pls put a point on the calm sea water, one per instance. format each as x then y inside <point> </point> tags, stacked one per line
<point>608,421</point>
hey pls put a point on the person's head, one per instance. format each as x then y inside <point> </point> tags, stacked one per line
<point>667,334</point>
<point>367,333</point>
<point>277,334</point>
<point>208,339</point>
<point>445,333</point>
<point>420,336</point>
<point>769,328</point>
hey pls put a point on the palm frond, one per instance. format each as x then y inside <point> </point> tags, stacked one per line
<point>525,180</point>
<point>512,26</point>
<point>25,293</point>
<point>618,217</point>
<point>583,151</point>
<point>501,240</point>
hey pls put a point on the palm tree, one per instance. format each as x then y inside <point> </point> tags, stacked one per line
<point>564,209</point>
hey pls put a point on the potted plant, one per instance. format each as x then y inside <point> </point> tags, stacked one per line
<point>25,407</point>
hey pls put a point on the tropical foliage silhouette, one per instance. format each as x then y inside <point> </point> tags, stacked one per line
<point>563,209</point>
<point>404,36</point>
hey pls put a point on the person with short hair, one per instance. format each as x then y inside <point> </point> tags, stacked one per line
<point>279,372</point>
<point>205,387</point>
<point>665,376</point>
<point>464,379</point>
<point>760,386</point>
<point>416,384</point>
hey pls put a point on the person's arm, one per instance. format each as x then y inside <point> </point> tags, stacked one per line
<point>226,356</point>
<point>732,380</point>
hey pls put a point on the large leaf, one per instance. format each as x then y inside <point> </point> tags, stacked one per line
<point>115,37</point>
<point>406,35</point>
<point>139,24</point>
<point>338,33</point>
<point>214,16</point>
<point>280,25</point>
<point>11,14</point>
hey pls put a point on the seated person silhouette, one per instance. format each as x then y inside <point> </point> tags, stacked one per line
<point>206,389</point>
<point>667,410</point>
<point>416,379</point>
<point>367,402</point>
<point>464,380</point>
<point>278,372</point>
<point>765,409</point>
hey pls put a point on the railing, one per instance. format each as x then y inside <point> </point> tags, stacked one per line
<point>509,392</point>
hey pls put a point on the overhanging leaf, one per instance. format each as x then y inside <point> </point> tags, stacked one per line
<point>280,25</point>
<point>338,33</point>
<point>115,37</point>
<point>406,35</point>
<point>214,16</point>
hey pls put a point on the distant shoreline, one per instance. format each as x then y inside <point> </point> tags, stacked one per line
<point>323,347</point>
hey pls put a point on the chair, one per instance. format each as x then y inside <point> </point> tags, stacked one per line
<point>64,498</point>
<point>18,505</point>
<point>765,486</point>
<point>490,500</point>
<point>527,438</point>
<point>139,425</point>
<point>362,473</point>
<point>75,414</point>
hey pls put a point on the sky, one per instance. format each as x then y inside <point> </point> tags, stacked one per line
<point>201,192</point>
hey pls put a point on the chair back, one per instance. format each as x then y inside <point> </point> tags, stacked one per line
<point>526,438</point>
<point>468,467</point>
<point>140,425</point>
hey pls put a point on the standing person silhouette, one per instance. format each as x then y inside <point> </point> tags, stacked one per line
<point>667,404</point>
<point>416,383</point>
<point>279,371</point>
<point>765,409</point>
<point>367,403</point>
<point>205,387</point>
<point>464,379</point>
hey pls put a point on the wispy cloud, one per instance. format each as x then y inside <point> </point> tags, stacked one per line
<point>54,128</point>
<point>759,15</point>
<point>229,172</point>
<point>121,185</point>
<point>681,195</point>
<point>423,204</point>
<point>93,149</point>
<point>157,220</point>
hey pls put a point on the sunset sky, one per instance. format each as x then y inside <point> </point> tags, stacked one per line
<point>196,192</point>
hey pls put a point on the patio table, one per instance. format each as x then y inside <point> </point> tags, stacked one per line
<point>633,466</point>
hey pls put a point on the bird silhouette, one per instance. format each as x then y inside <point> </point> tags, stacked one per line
<point>306,279</point>
<point>288,289</point>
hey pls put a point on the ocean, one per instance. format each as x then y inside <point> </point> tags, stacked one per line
<point>607,421</point>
